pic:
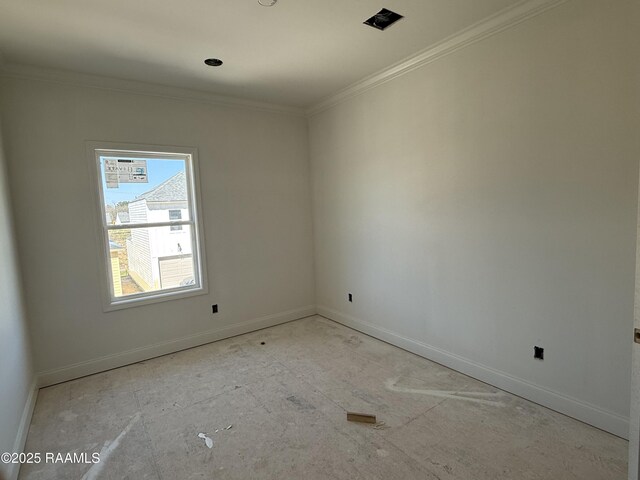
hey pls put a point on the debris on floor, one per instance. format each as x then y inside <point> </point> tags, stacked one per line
<point>206,439</point>
<point>380,426</point>
<point>361,417</point>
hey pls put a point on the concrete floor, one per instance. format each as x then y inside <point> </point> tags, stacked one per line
<point>286,402</point>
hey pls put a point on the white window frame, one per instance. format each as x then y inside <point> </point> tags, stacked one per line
<point>190,155</point>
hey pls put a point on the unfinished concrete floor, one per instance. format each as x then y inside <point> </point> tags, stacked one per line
<point>286,401</point>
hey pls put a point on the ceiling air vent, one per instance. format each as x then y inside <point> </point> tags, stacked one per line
<point>383,19</point>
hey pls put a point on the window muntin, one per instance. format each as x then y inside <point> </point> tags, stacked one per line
<point>155,254</point>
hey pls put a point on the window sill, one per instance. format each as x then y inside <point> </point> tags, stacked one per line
<point>125,303</point>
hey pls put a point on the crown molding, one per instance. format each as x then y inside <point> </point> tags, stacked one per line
<point>22,71</point>
<point>491,25</point>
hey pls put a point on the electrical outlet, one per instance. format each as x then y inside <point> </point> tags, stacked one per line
<point>350,298</point>
<point>538,353</point>
<point>214,308</point>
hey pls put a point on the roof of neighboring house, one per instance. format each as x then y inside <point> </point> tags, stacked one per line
<point>123,217</point>
<point>171,190</point>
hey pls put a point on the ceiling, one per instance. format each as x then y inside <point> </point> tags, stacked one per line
<point>296,53</point>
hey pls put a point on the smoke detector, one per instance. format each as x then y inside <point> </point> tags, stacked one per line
<point>383,19</point>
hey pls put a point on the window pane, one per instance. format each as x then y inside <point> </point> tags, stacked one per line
<point>143,190</point>
<point>150,260</point>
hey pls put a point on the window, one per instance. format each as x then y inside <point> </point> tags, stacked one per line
<point>150,228</point>
<point>175,215</point>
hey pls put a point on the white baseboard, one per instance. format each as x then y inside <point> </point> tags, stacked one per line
<point>23,429</point>
<point>583,411</point>
<point>120,359</point>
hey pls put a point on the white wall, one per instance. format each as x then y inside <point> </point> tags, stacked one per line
<point>16,372</point>
<point>486,203</point>
<point>254,177</point>
<point>634,428</point>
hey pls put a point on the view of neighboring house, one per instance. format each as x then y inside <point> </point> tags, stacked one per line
<point>114,250</point>
<point>160,257</point>
<point>122,218</point>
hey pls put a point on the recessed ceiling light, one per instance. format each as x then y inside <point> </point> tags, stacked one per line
<point>267,3</point>
<point>383,19</point>
<point>213,62</point>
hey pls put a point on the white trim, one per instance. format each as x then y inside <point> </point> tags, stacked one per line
<point>128,226</point>
<point>23,428</point>
<point>491,25</point>
<point>583,411</point>
<point>190,154</point>
<point>21,71</point>
<point>154,296</point>
<point>89,367</point>
<point>485,28</point>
